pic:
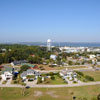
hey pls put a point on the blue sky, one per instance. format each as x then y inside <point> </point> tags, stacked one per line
<point>59,20</point>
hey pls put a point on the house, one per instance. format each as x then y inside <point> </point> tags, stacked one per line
<point>4,50</point>
<point>30,65</point>
<point>92,56</point>
<point>6,75</point>
<point>1,67</point>
<point>30,72</point>
<point>18,62</point>
<point>32,55</point>
<point>69,74</point>
<point>53,57</point>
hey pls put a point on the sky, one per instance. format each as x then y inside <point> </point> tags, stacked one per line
<point>58,20</point>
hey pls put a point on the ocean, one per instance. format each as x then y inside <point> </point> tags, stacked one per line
<point>63,44</point>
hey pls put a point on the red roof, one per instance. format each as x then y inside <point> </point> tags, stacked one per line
<point>1,66</point>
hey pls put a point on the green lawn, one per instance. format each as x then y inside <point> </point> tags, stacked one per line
<point>76,67</point>
<point>57,80</point>
<point>94,74</point>
<point>88,92</point>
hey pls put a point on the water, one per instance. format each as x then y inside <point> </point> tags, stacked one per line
<point>64,44</point>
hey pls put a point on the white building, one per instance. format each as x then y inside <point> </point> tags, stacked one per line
<point>48,45</point>
<point>6,75</point>
<point>92,56</point>
<point>53,57</point>
<point>72,49</point>
<point>29,72</point>
<point>69,74</point>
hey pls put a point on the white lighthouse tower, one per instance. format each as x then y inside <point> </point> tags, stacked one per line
<point>48,45</point>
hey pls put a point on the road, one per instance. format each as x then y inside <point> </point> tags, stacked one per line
<point>78,69</point>
<point>53,86</point>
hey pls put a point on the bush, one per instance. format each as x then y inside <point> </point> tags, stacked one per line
<point>80,73</point>
<point>74,82</point>
<point>15,81</point>
<point>58,75</point>
<point>98,97</point>
<point>41,68</point>
<point>51,73</point>
<point>39,80</point>
<point>94,98</point>
<point>82,98</point>
<point>4,82</point>
<point>89,78</point>
<point>52,78</point>
<point>24,84</point>
<point>47,81</point>
<point>30,76</point>
<point>0,78</point>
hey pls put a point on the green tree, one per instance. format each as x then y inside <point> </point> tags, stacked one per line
<point>98,97</point>
<point>1,59</point>
<point>24,68</point>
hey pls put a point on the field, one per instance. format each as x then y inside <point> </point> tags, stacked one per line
<point>94,74</point>
<point>46,67</point>
<point>98,65</point>
<point>57,81</point>
<point>77,67</point>
<point>88,92</point>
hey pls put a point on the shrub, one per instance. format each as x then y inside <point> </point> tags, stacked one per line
<point>74,82</point>
<point>98,97</point>
<point>82,98</point>
<point>51,73</point>
<point>52,78</point>
<point>94,98</point>
<point>80,73</point>
<point>39,80</point>
<point>41,68</point>
<point>47,81</point>
<point>15,82</point>
<point>30,76</point>
<point>24,84</point>
<point>89,78</point>
<point>0,78</point>
<point>4,82</point>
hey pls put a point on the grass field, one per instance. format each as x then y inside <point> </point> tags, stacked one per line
<point>46,67</point>
<point>77,67</point>
<point>94,74</point>
<point>88,92</point>
<point>98,66</point>
<point>57,80</point>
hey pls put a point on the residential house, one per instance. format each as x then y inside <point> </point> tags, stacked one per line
<point>30,72</point>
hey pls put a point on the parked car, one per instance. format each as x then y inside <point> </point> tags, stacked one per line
<point>27,87</point>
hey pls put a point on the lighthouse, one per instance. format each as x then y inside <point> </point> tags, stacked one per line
<point>48,45</point>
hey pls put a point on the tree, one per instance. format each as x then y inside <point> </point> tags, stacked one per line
<point>59,60</point>
<point>70,62</point>
<point>36,60</point>
<point>1,59</point>
<point>98,97</point>
<point>89,78</point>
<point>24,68</point>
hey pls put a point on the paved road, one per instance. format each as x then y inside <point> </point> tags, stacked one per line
<point>54,86</point>
<point>80,69</point>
